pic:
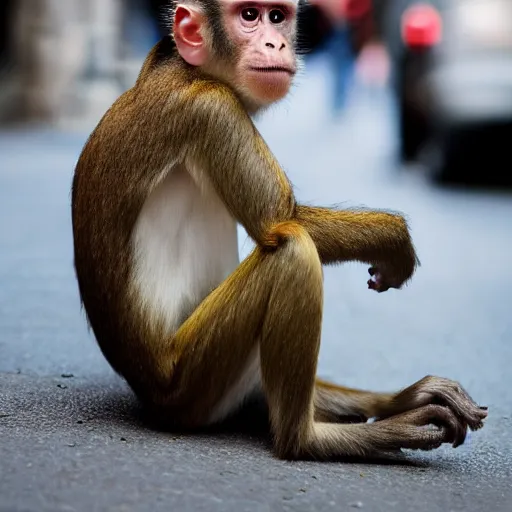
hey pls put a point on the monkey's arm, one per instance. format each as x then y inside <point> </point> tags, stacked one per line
<point>225,143</point>
<point>227,146</point>
<point>373,237</point>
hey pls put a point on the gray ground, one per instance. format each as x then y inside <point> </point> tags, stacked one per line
<point>79,443</point>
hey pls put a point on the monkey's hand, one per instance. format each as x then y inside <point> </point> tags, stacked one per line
<point>397,261</point>
<point>437,391</point>
<point>384,277</point>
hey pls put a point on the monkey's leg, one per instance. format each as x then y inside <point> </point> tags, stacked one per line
<point>274,301</point>
<point>271,307</point>
<point>335,404</point>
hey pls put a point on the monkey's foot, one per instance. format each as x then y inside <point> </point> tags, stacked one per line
<point>439,390</point>
<point>425,428</point>
<point>443,395</point>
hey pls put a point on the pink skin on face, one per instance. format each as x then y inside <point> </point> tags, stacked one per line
<point>262,29</point>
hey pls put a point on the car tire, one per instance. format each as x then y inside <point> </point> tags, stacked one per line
<point>444,158</point>
<point>411,132</point>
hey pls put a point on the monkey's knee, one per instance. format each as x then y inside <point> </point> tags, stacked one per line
<point>280,233</point>
<point>293,240</point>
<point>296,262</point>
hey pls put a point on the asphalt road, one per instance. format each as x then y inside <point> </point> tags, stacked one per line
<point>72,438</point>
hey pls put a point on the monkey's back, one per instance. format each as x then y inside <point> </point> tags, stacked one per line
<point>106,199</point>
<point>151,240</point>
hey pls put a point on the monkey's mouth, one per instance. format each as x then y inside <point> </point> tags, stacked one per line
<point>274,69</point>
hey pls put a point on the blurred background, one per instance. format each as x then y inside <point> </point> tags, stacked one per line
<point>401,104</point>
<point>446,65</point>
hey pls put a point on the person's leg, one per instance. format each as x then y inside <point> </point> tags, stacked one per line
<point>343,63</point>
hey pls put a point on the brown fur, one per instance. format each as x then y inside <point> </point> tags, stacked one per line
<point>274,299</point>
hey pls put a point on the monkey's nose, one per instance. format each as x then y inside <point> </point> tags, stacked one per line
<point>272,45</point>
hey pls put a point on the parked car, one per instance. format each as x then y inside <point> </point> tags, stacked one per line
<point>453,85</point>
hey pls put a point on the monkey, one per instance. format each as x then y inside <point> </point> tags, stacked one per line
<point>161,184</point>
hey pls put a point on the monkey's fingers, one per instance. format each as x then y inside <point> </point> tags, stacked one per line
<point>453,395</point>
<point>380,280</point>
<point>455,430</point>
<point>429,427</point>
<point>377,284</point>
<point>446,392</point>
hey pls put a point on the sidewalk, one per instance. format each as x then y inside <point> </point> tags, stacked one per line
<point>72,437</point>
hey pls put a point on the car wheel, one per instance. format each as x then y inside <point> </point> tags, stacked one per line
<point>412,132</point>
<point>445,158</point>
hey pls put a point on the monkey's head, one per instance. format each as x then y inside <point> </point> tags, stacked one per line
<point>250,44</point>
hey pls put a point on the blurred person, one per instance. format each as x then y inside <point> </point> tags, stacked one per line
<point>353,47</point>
<point>339,50</point>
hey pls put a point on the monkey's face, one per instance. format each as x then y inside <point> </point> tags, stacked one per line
<point>262,31</point>
<point>248,43</point>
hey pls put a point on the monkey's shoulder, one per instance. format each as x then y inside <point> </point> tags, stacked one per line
<point>174,84</point>
<point>160,113</point>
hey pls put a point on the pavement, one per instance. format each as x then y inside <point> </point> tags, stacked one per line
<point>73,438</point>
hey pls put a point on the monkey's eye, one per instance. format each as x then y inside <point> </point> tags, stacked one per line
<point>276,16</point>
<point>250,14</point>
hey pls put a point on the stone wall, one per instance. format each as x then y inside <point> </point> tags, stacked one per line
<point>67,56</point>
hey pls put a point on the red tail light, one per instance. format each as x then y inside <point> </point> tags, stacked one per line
<point>421,26</point>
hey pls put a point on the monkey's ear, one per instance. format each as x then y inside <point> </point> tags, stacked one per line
<point>187,27</point>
